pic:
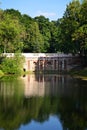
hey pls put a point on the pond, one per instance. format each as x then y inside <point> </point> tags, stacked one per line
<point>43,102</point>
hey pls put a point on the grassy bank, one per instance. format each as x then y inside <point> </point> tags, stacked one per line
<point>82,73</point>
<point>77,73</point>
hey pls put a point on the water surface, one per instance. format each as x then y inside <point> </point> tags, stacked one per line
<point>43,102</point>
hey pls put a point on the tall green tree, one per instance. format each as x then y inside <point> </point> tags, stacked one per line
<point>44,27</point>
<point>80,35</point>
<point>14,14</point>
<point>69,23</point>
<point>11,34</point>
<point>27,21</point>
<point>54,43</point>
<point>1,18</point>
<point>36,43</point>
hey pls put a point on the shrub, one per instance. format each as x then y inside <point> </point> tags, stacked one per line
<point>12,65</point>
<point>1,73</point>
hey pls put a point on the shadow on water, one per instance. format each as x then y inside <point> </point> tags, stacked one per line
<point>37,98</point>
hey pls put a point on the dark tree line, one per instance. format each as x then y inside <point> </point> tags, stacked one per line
<point>25,34</point>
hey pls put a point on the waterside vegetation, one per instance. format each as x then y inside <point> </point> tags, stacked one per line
<point>1,73</point>
<point>82,73</point>
<point>12,65</point>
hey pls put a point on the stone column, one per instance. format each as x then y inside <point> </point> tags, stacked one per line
<point>53,65</point>
<point>39,64</point>
<point>43,64</point>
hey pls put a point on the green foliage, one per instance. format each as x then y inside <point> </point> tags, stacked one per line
<point>80,73</point>
<point>35,42</point>
<point>44,27</point>
<point>53,41</point>
<point>1,73</point>
<point>68,25</point>
<point>83,12</point>
<point>12,65</point>
<point>80,35</point>
<point>73,35</point>
<point>11,34</point>
<point>25,34</point>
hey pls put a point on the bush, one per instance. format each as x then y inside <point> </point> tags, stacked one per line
<point>1,73</point>
<point>12,65</point>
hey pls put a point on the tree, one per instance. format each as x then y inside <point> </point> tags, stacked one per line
<point>36,40</point>
<point>1,18</point>
<point>69,23</point>
<point>27,21</point>
<point>80,35</point>
<point>83,19</point>
<point>44,27</point>
<point>14,14</point>
<point>11,33</point>
<point>12,65</point>
<point>53,42</point>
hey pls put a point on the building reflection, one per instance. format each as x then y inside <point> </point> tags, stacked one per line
<point>33,87</point>
<point>49,85</point>
<point>42,85</point>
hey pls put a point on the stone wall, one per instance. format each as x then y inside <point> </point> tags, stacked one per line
<point>52,61</point>
<point>49,61</point>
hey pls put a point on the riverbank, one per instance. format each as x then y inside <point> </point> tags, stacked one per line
<point>81,73</point>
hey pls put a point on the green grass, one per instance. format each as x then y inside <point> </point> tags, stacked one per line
<point>82,73</point>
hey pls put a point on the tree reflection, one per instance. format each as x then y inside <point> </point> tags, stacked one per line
<point>73,110</point>
<point>11,100</point>
<point>16,109</point>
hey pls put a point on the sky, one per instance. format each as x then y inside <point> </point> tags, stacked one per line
<point>52,9</point>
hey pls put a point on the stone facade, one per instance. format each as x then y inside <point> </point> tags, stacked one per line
<point>52,61</point>
<point>49,61</point>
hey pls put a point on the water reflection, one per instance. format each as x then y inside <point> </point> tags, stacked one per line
<point>43,102</point>
<point>49,85</point>
<point>52,124</point>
